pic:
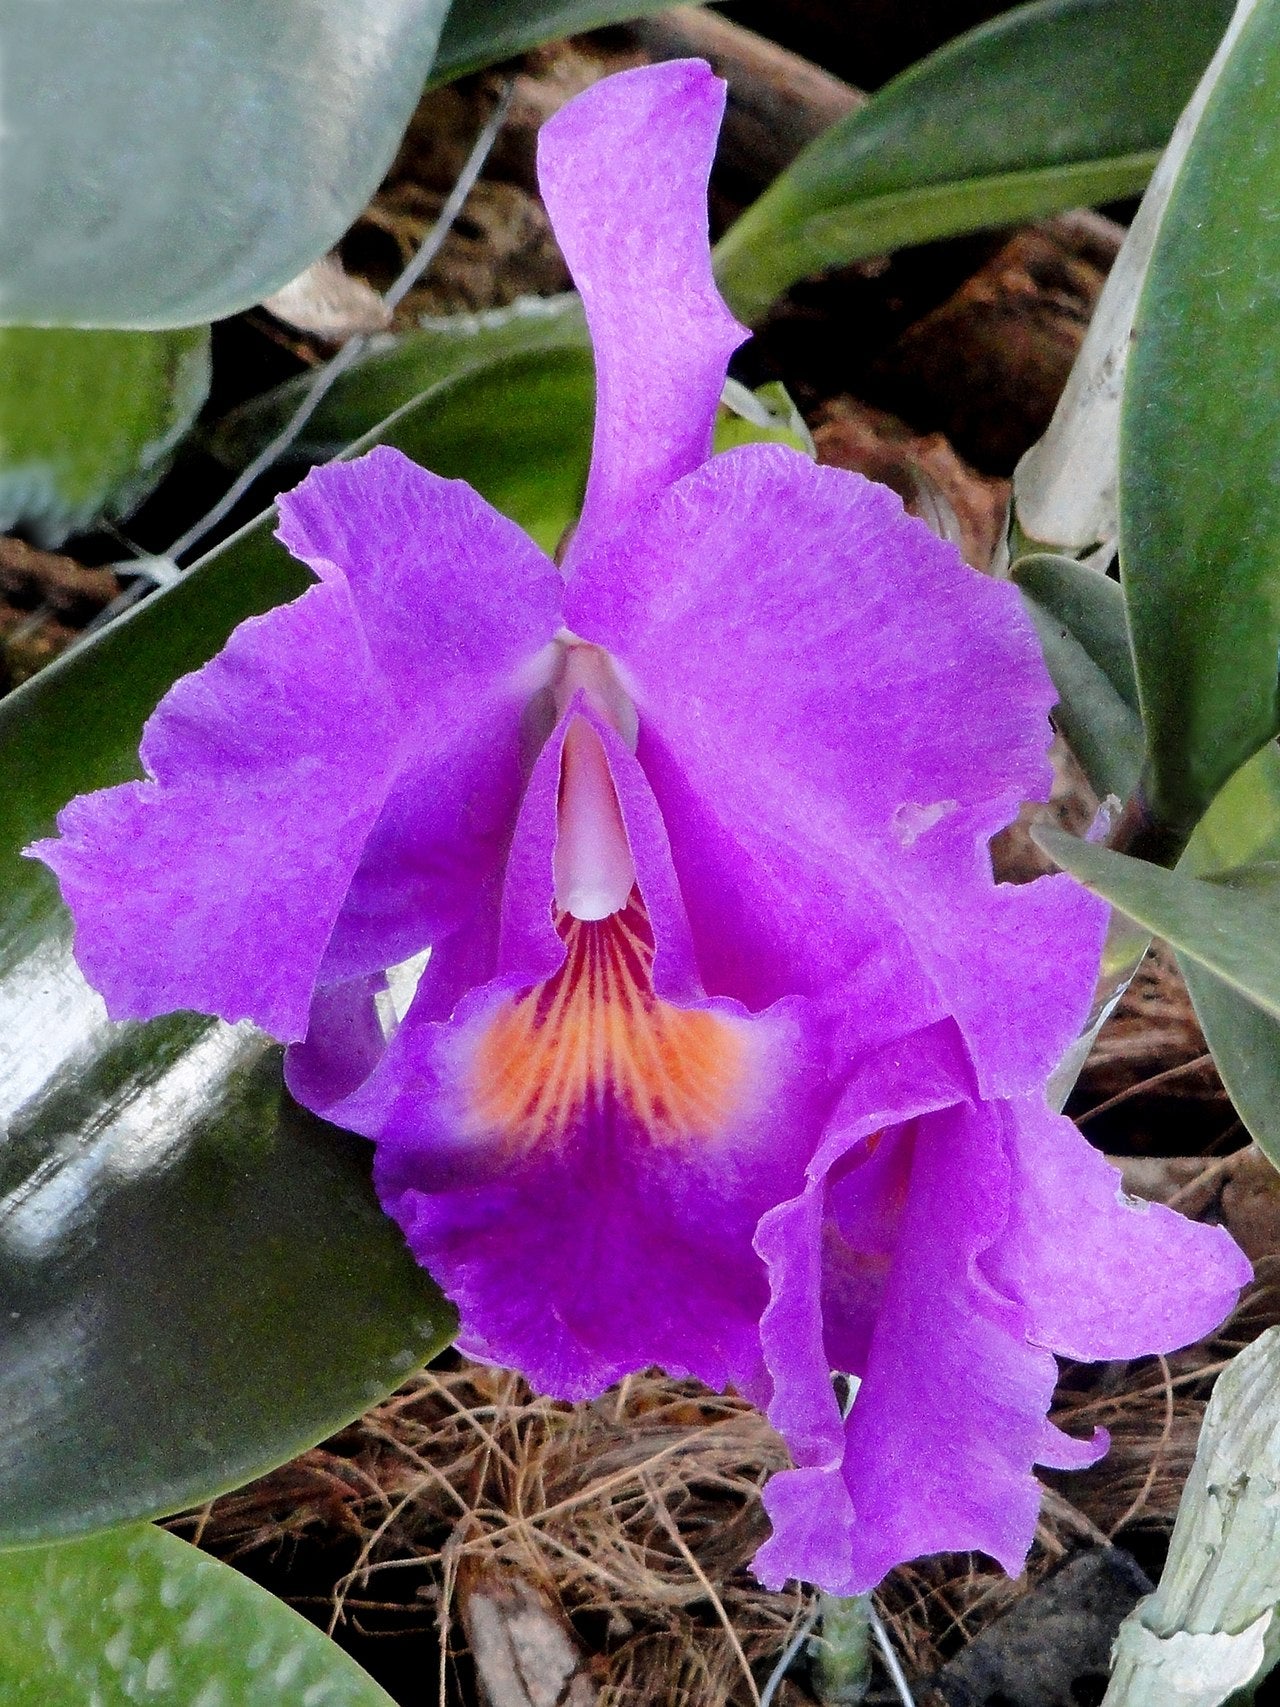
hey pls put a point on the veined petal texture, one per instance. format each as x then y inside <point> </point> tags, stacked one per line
<point>339,781</point>
<point>579,1154</point>
<point>623,170</point>
<point>836,714</point>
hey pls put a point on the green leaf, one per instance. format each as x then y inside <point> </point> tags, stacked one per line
<point>141,1616</point>
<point>1091,607</point>
<point>1229,923</point>
<point>1242,824</point>
<point>481,32</point>
<point>1245,1044</point>
<point>1200,446</point>
<point>408,369</point>
<point>1055,104</point>
<point>767,415</point>
<point>87,421</point>
<point>198,1280</point>
<point>504,400</point>
<point>170,163</point>
<point>1079,617</point>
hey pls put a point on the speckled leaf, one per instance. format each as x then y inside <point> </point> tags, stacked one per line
<point>169,163</point>
<point>87,421</point>
<point>139,1616</point>
<point>1200,446</point>
<point>1055,104</point>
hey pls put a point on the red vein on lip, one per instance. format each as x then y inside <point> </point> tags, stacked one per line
<point>594,1043</point>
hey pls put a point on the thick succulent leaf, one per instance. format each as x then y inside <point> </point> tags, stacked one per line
<point>1229,923</point>
<point>87,420</point>
<point>481,32</point>
<point>1079,616</point>
<point>138,1615</point>
<point>1057,103</point>
<point>1200,446</point>
<point>398,371</point>
<point>198,1281</point>
<point>170,163</point>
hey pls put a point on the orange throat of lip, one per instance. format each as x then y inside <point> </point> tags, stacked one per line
<point>594,1048</point>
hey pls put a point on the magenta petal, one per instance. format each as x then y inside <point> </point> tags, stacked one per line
<point>623,170</point>
<point>836,714</point>
<point>1103,1275</point>
<point>607,1243</point>
<point>456,603</point>
<point>215,885</point>
<point>950,1414</point>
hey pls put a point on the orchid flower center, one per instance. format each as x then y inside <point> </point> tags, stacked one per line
<point>593,866</point>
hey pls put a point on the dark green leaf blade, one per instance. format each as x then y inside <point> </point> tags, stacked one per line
<point>87,421</point>
<point>171,163</point>
<point>481,32</point>
<point>139,1615</point>
<point>1230,923</point>
<point>1057,103</point>
<point>1200,446</point>
<point>198,1280</point>
<point>396,372</point>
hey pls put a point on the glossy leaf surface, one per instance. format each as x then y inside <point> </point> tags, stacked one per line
<point>170,163</point>
<point>481,32</point>
<point>197,1279</point>
<point>87,420</point>
<point>1200,446</point>
<point>139,1615</point>
<point>1056,104</point>
<point>1079,617</point>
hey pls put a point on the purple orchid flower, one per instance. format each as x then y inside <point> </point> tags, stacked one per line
<point>696,832</point>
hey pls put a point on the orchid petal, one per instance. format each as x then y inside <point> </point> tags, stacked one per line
<point>215,884</point>
<point>836,714</point>
<point>623,170</point>
<point>950,1415</point>
<point>456,603</point>
<point>335,788</point>
<point>1103,1275</point>
<point>539,1224</point>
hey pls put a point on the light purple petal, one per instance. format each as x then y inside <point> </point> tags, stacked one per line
<point>836,714</point>
<point>603,1244</point>
<point>335,789</point>
<point>828,1251</point>
<point>950,1414</point>
<point>1103,1275</point>
<point>215,885</point>
<point>623,170</point>
<point>457,603</point>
